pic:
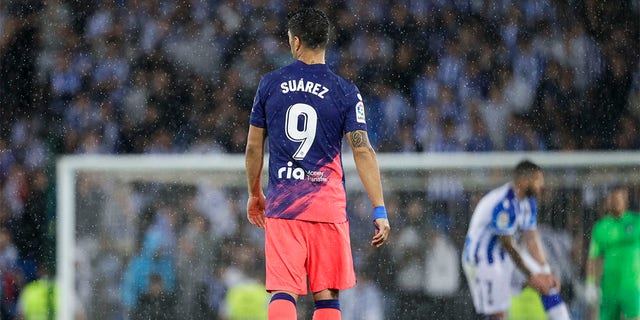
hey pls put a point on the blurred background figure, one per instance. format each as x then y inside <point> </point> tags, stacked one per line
<point>410,259</point>
<point>156,303</point>
<point>196,255</point>
<point>155,258</point>
<point>442,268</point>
<point>367,290</point>
<point>613,268</point>
<point>38,297</point>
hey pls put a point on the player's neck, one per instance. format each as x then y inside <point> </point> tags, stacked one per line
<point>519,191</point>
<point>309,56</point>
<point>617,214</point>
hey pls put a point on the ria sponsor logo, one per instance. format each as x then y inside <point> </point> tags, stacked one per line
<point>289,172</point>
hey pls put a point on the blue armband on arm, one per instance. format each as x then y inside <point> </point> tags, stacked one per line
<point>379,212</point>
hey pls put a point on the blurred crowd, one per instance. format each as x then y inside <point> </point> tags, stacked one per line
<point>178,76</point>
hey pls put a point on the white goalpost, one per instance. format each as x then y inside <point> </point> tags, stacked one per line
<point>434,175</point>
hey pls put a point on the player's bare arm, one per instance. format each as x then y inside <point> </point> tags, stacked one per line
<point>594,269</point>
<point>593,276</point>
<point>540,282</point>
<point>531,240</point>
<point>254,157</point>
<point>367,166</point>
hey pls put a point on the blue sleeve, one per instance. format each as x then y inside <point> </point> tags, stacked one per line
<point>503,220</point>
<point>530,220</point>
<point>355,115</point>
<point>258,116</point>
<point>128,287</point>
<point>168,275</point>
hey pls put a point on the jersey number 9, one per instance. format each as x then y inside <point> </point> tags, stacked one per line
<point>302,122</point>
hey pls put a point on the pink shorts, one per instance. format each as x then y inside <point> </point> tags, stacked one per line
<point>296,249</point>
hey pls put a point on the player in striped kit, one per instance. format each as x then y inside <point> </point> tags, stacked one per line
<point>304,110</point>
<point>490,253</point>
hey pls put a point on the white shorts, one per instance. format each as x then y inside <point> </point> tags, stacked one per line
<point>490,285</point>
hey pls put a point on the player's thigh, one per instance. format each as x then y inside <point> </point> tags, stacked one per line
<point>609,306</point>
<point>330,263</point>
<point>285,256</point>
<point>470,271</point>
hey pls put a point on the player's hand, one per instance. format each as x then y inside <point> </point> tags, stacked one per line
<point>542,282</point>
<point>556,283</point>
<point>546,269</point>
<point>255,210</point>
<point>382,232</point>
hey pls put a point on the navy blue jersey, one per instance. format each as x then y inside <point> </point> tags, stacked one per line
<point>306,110</point>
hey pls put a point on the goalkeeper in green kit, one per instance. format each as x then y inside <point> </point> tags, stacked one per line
<point>614,260</point>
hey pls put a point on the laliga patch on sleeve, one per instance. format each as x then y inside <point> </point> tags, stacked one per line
<point>360,112</point>
<point>502,221</point>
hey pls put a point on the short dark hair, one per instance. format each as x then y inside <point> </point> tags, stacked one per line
<point>525,168</point>
<point>311,26</point>
<point>617,187</point>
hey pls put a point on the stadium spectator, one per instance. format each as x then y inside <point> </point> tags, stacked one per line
<point>154,258</point>
<point>410,258</point>
<point>37,300</point>
<point>214,291</point>
<point>156,303</point>
<point>427,129</point>
<point>449,141</point>
<point>521,137</point>
<point>367,290</point>
<point>11,277</point>
<point>495,114</point>
<point>625,137</point>
<point>442,270</point>
<point>480,140</point>
<point>196,252</point>
<point>8,251</point>
<point>247,301</point>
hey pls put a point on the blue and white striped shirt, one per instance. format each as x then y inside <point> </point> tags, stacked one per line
<point>498,213</point>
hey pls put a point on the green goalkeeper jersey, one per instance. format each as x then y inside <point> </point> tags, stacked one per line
<point>617,242</point>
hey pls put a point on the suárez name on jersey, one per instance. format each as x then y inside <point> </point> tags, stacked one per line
<point>305,86</point>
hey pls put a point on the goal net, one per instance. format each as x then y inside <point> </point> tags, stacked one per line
<point>131,229</point>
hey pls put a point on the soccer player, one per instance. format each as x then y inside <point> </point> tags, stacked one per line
<point>615,250</point>
<point>304,110</point>
<point>490,253</point>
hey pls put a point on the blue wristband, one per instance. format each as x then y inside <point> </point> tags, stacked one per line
<point>379,212</point>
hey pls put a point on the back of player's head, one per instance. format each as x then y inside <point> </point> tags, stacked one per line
<point>525,168</point>
<point>617,187</point>
<point>311,26</point>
